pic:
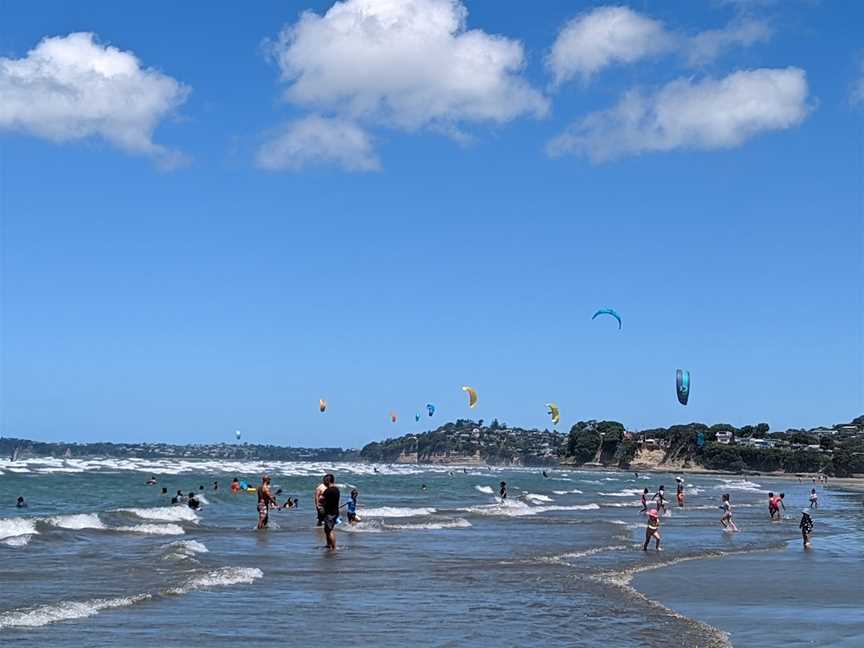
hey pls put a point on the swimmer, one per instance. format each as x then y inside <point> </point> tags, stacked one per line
<point>193,502</point>
<point>652,530</point>
<point>726,519</point>
<point>164,490</point>
<point>179,498</point>
<point>151,481</point>
<point>215,485</point>
<point>235,486</point>
<point>814,499</point>
<point>806,526</point>
<point>351,507</point>
<point>422,487</point>
<point>635,475</point>
<point>502,491</point>
<point>545,474</point>
<point>20,503</point>
<point>644,500</point>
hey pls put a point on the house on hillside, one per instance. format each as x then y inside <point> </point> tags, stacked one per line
<point>724,437</point>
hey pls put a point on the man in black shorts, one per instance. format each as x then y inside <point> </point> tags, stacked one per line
<point>330,501</point>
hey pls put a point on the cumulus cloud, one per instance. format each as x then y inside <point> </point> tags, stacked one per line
<point>318,140</point>
<point>608,36</point>
<point>708,114</point>
<point>407,64</point>
<point>709,44</point>
<point>71,88</point>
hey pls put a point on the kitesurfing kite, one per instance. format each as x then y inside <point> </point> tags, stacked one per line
<point>553,412</point>
<point>472,395</point>
<point>322,404</point>
<point>417,417</point>
<point>237,434</point>
<point>430,408</point>
<point>682,385</point>
<point>608,311</point>
<point>392,417</point>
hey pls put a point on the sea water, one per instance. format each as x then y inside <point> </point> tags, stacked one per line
<point>100,558</point>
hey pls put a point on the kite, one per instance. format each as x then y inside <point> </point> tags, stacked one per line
<point>553,412</point>
<point>608,311</point>
<point>682,385</point>
<point>472,395</point>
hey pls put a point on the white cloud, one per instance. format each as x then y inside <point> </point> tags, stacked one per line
<point>407,64</point>
<point>709,44</point>
<point>603,37</point>
<point>609,36</point>
<point>709,114</point>
<point>318,140</point>
<point>856,96</point>
<point>71,87</point>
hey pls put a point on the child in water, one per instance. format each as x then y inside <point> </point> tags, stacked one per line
<point>726,519</point>
<point>814,499</point>
<point>679,494</point>
<point>351,507</point>
<point>806,526</point>
<point>652,530</point>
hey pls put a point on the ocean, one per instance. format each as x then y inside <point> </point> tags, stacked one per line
<point>99,558</point>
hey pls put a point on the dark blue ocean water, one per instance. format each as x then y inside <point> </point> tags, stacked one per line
<point>99,558</point>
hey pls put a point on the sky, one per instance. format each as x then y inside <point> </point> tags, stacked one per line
<point>213,216</point>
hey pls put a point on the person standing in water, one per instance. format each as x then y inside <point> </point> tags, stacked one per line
<point>726,519</point>
<point>319,502</point>
<point>265,501</point>
<point>652,530</point>
<point>660,496</point>
<point>20,503</point>
<point>330,505</point>
<point>814,499</point>
<point>679,494</point>
<point>502,491</point>
<point>235,486</point>
<point>772,505</point>
<point>806,526</point>
<point>644,500</point>
<point>351,507</point>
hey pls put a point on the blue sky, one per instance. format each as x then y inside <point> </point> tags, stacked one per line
<point>237,224</point>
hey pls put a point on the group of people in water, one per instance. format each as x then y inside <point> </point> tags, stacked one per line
<point>775,505</point>
<point>326,500</point>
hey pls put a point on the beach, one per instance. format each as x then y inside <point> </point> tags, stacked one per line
<point>100,558</point>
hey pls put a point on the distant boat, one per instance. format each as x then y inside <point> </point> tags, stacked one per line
<point>67,454</point>
<point>15,453</point>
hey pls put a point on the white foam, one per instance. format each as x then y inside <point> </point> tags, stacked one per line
<point>190,546</point>
<point>164,513</point>
<point>17,541</point>
<point>76,522</point>
<point>627,492</point>
<point>534,497</point>
<point>512,508</point>
<point>395,512</point>
<point>16,526</point>
<point>223,577</point>
<point>63,611</point>
<point>458,523</point>
<point>739,485</point>
<point>487,490</point>
<point>574,491</point>
<point>153,529</point>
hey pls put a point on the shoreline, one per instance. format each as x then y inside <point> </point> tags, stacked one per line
<point>666,592</point>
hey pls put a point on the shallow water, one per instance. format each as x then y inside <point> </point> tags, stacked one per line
<point>99,559</point>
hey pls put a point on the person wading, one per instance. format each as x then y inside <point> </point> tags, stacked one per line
<point>330,500</point>
<point>265,501</point>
